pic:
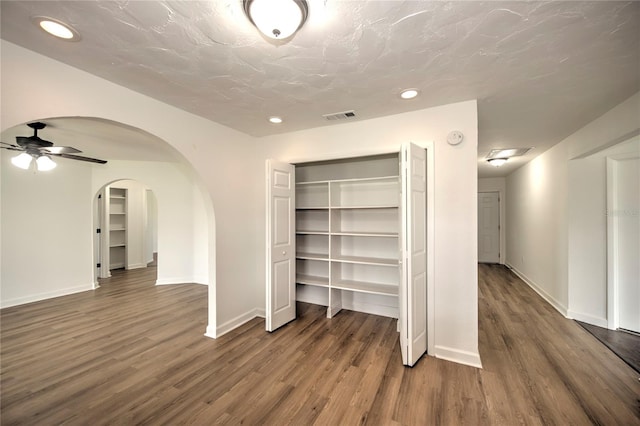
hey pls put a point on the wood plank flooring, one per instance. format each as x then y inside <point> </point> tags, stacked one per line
<point>134,353</point>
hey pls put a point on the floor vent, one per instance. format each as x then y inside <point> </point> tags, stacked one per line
<point>340,115</point>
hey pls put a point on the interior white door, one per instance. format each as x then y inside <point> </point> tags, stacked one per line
<point>489,227</point>
<point>628,243</point>
<point>281,262</point>
<point>413,285</point>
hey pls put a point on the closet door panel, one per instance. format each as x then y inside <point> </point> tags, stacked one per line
<point>413,287</point>
<point>281,265</point>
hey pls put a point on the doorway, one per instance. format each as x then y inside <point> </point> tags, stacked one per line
<point>623,228</point>
<point>126,228</point>
<point>489,227</point>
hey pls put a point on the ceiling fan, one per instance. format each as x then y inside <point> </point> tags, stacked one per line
<point>33,147</point>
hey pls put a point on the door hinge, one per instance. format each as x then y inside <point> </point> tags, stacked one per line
<point>99,196</point>
<point>98,231</point>
<point>98,265</point>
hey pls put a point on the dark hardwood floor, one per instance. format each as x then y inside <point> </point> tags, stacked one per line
<point>134,353</point>
<point>625,345</point>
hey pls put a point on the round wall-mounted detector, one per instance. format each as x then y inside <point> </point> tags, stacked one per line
<point>455,137</point>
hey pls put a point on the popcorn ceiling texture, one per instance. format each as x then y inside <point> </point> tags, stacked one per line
<point>539,69</point>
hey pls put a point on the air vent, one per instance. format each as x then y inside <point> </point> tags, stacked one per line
<point>339,115</point>
<point>508,152</point>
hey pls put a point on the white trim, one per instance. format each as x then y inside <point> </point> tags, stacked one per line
<point>178,280</point>
<point>546,296</point>
<point>589,319</point>
<point>431,244</point>
<point>612,246</point>
<point>369,308</point>
<point>210,331</point>
<point>137,266</point>
<point>461,357</point>
<point>96,285</point>
<point>238,321</point>
<point>44,296</point>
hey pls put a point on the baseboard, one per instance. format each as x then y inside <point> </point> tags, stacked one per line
<point>177,280</point>
<point>201,279</point>
<point>236,322</point>
<point>210,332</point>
<point>471,359</point>
<point>44,296</point>
<point>589,319</point>
<point>136,266</point>
<point>368,308</point>
<point>546,296</point>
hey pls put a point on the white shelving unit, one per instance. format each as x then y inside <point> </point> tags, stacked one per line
<point>347,229</point>
<point>117,227</point>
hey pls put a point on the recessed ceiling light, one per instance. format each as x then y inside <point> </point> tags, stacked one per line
<point>409,94</point>
<point>275,120</point>
<point>56,28</point>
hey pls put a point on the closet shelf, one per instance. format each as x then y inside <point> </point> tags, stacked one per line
<point>366,234</point>
<point>312,280</point>
<point>366,287</point>
<point>312,256</point>
<point>308,232</point>
<point>366,260</point>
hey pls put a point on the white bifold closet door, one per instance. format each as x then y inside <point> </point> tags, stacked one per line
<point>413,286</point>
<point>281,247</point>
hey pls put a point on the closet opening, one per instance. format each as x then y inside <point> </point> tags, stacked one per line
<point>126,228</point>
<point>351,234</point>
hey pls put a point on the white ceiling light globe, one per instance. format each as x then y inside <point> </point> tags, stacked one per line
<point>276,19</point>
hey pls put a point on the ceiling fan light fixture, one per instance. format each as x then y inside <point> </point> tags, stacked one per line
<point>277,19</point>
<point>497,162</point>
<point>56,28</point>
<point>45,163</point>
<point>22,161</point>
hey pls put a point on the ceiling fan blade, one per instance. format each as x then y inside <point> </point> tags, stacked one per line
<point>78,157</point>
<point>61,150</point>
<point>11,147</point>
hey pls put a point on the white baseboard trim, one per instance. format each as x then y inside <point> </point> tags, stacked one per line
<point>546,296</point>
<point>43,296</point>
<point>210,331</point>
<point>177,280</point>
<point>136,266</point>
<point>589,319</point>
<point>236,322</point>
<point>368,308</point>
<point>471,359</point>
<point>201,279</point>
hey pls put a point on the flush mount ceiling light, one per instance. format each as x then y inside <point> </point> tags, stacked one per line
<point>56,28</point>
<point>409,93</point>
<point>275,120</point>
<point>277,19</point>
<point>497,162</point>
<point>508,152</point>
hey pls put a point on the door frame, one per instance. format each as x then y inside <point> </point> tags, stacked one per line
<point>613,318</point>
<point>429,146</point>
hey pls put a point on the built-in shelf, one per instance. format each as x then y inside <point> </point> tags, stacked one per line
<point>347,234</point>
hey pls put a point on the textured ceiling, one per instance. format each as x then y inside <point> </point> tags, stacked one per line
<point>540,70</point>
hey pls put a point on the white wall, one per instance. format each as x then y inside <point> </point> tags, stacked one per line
<point>456,304</point>
<point>588,233</point>
<point>543,200</point>
<point>223,160</point>
<point>47,246</point>
<point>498,184</point>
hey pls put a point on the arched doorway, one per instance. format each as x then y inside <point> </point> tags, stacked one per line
<point>126,224</point>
